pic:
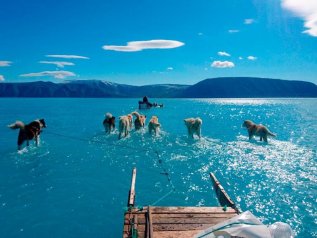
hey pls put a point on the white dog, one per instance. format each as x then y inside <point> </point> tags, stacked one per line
<point>139,121</point>
<point>193,126</point>
<point>125,125</point>
<point>154,125</point>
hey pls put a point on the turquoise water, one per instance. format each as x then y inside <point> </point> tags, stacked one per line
<point>76,183</point>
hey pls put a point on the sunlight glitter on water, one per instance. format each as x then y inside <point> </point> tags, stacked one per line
<point>85,174</point>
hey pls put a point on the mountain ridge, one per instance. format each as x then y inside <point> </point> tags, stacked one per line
<point>221,87</point>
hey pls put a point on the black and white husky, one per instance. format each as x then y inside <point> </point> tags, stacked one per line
<point>29,131</point>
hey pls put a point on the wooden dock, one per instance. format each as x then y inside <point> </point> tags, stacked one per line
<point>170,222</point>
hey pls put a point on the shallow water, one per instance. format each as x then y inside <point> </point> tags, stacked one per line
<point>75,184</point>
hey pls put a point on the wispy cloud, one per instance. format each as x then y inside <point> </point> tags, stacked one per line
<point>133,46</point>
<point>251,57</point>
<point>222,53</point>
<point>248,21</point>
<point>233,31</point>
<point>170,68</point>
<point>222,64</point>
<point>67,56</point>
<point>56,74</point>
<point>1,78</point>
<point>240,58</point>
<point>60,64</point>
<point>5,63</point>
<point>306,9</point>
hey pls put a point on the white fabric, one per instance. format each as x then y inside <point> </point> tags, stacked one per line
<point>245,225</point>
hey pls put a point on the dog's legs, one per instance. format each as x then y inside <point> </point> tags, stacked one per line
<point>37,140</point>
<point>199,133</point>
<point>250,135</point>
<point>265,138</point>
<point>20,140</point>
<point>188,131</point>
<point>126,132</point>
<point>191,134</point>
<point>261,138</point>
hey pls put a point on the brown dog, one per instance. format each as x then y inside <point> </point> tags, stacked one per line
<point>154,125</point>
<point>125,125</point>
<point>193,126</point>
<point>257,130</point>
<point>139,121</point>
<point>109,123</point>
<point>29,131</point>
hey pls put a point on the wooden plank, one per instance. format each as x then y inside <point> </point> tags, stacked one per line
<point>149,223</point>
<point>191,210</point>
<point>173,220</point>
<point>182,215</point>
<point>141,234</point>
<point>132,189</point>
<point>135,222</point>
<point>192,215</point>
<point>184,210</point>
<point>130,224</point>
<point>181,227</point>
<point>173,227</point>
<point>127,215</point>
<point>176,234</point>
<point>141,228</point>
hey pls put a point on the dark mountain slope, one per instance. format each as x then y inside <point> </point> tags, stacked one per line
<point>209,88</point>
<point>250,87</point>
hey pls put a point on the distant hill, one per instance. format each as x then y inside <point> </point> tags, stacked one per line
<point>245,87</point>
<point>210,88</point>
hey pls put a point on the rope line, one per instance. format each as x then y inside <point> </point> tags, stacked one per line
<point>96,141</point>
<point>165,171</point>
<point>169,179</point>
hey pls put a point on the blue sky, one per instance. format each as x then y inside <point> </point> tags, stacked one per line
<point>153,42</point>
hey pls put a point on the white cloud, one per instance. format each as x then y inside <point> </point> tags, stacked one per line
<point>248,21</point>
<point>306,9</point>
<point>170,68</point>
<point>233,31</point>
<point>56,74</point>
<point>1,78</point>
<point>222,53</point>
<point>222,64</point>
<point>5,63</point>
<point>251,57</point>
<point>240,58</point>
<point>67,56</point>
<point>60,64</point>
<point>133,46</point>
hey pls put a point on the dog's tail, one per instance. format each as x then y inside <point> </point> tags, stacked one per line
<point>17,125</point>
<point>108,115</point>
<point>271,134</point>
<point>136,114</point>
